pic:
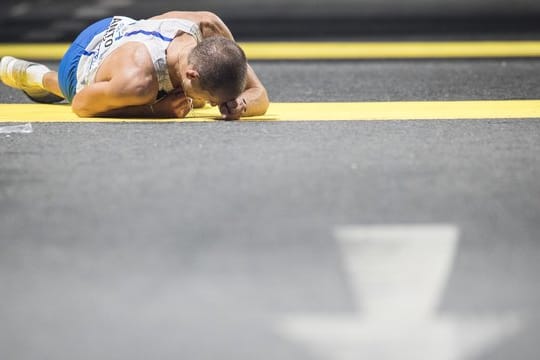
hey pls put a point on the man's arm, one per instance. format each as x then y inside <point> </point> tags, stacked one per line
<point>129,96</point>
<point>209,23</point>
<point>125,88</point>
<point>252,102</point>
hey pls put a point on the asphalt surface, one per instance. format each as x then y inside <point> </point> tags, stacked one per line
<point>138,241</point>
<point>386,80</point>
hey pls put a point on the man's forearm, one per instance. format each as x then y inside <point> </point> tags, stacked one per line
<point>257,101</point>
<point>135,111</point>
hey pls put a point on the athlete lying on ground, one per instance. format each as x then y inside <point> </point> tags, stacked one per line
<point>159,67</point>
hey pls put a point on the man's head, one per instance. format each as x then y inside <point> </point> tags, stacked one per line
<point>217,71</point>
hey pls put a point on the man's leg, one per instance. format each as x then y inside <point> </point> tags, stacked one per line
<point>37,81</point>
<point>50,83</point>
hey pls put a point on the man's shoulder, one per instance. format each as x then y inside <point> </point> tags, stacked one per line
<point>132,54</point>
<point>131,59</point>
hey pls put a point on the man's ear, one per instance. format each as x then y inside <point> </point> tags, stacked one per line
<point>192,74</point>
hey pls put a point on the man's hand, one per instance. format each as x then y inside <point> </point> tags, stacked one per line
<point>173,105</point>
<point>233,109</point>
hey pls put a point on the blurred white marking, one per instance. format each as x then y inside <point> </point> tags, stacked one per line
<point>397,275</point>
<point>19,9</point>
<point>16,129</point>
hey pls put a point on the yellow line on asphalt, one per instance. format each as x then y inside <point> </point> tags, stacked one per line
<point>391,50</point>
<point>333,50</point>
<point>407,110</point>
<point>34,51</point>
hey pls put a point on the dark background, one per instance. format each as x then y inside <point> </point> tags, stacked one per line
<point>61,20</point>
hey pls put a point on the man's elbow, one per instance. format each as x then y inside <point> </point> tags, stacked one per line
<point>82,113</point>
<point>209,17</point>
<point>264,102</point>
<point>212,25</point>
<point>81,110</point>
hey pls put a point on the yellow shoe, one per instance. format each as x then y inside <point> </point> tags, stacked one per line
<point>13,72</point>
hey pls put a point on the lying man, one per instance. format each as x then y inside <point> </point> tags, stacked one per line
<point>159,67</point>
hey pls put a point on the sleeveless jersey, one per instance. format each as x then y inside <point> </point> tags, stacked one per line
<point>156,35</point>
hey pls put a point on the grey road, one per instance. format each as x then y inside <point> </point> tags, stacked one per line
<point>233,240</point>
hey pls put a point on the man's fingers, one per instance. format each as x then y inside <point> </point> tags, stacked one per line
<point>232,105</point>
<point>230,117</point>
<point>233,109</point>
<point>184,106</point>
<point>224,109</point>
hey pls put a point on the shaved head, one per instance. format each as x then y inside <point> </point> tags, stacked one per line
<point>222,67</point>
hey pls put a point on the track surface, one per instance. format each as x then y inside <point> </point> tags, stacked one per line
<point>138,241</point>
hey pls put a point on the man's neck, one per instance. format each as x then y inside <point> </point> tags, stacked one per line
<point>177,58</point>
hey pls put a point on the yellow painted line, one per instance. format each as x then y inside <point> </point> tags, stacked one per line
<point>408,110</point>
<point>34,51</point>
<point>391,50</point>
<point>333,50</point>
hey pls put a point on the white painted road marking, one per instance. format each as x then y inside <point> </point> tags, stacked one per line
<point>398,275</point>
